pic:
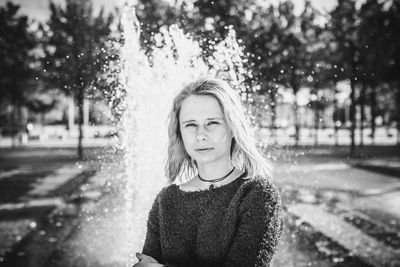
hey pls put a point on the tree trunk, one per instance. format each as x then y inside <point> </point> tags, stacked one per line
<point>296,118</point>
<point>352,99</point>
<point>362,111</point>
<point>273,117</point>
<point>14,125</point>
<point>398,114</point>
<point>80,121</point>
<point>352,116</point>
<point>316,125</point>
<point>373,113</point>
<point>71,115</point>
<point>336,118</point>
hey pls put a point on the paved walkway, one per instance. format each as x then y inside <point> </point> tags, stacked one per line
<point>69,142</point>
<point>355,207</point>
<point>22,211</point>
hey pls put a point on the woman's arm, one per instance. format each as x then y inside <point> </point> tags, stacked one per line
<point>259,228</point>
<point>146,261</point>
<point>152,244</point>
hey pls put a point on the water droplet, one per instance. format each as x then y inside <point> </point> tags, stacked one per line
<point>337,259</point>
<point>33,225</point>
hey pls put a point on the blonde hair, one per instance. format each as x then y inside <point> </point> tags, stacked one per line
<point>244,153</point>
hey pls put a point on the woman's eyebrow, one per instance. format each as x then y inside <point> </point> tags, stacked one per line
<point>216,118</point>
<point>187,121</point>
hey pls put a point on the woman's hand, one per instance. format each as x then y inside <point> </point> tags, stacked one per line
<point>146,261</point>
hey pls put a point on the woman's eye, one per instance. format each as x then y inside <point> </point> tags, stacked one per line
<point>190,125</point>
<point>212,123</point>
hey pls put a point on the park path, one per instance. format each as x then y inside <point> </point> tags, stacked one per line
<point>351,211</point>
<point>27,193</point>
<point>34,183</point>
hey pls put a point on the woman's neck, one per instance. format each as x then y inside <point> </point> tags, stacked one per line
<point>214,171</point>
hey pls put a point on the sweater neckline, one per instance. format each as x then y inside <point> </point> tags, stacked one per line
<point>215,189</point>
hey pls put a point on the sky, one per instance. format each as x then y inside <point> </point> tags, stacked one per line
<point>39,9</point>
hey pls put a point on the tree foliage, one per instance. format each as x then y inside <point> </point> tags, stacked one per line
<point>17,61</point>
<point>356,43</point>
<point>76,50</point>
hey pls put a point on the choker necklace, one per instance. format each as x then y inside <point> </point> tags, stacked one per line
<point>216,180</point>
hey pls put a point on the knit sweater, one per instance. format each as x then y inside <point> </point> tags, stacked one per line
<point>237,224</point>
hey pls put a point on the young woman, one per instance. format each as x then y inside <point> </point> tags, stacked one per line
<point>228,213</point>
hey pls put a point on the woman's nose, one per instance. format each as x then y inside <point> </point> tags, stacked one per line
<point>201,134</point>
<point>201,137</point>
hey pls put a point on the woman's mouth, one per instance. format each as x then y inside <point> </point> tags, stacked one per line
<point>203,149</point>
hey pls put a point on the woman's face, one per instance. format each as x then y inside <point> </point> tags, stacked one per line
<point>205,133</point>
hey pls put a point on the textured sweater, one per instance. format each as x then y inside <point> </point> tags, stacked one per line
<point>237,224</point>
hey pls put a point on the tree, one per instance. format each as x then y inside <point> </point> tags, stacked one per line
<point>297,43</point>
<point>343,25</point>
<point>314,37</point>
<point>373,57</point>
<point>154,14</point>
<point>264,43</point>
<point>17,63</point>
<point>321,83</point>
<point>76,51</point>
<point>325,77</point>
<point>392,48</point>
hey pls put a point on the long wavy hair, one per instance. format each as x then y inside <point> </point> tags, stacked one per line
<point>244,153</point>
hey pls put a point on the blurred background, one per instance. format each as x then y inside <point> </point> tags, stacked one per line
<point>321,85</point>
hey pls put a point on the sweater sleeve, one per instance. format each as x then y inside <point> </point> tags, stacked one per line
<point>259,228</point>
<point>152,244</point>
